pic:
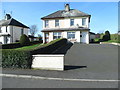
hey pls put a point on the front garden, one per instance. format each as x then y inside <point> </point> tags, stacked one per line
<point>21,56</point>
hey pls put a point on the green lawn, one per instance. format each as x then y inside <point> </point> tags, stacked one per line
<point>29,47</point>
<point>112,41</point>
<point>36,45</point>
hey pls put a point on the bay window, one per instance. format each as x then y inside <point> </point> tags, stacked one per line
<point>56,35</point>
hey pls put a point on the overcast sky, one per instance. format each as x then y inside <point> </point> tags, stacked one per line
<point>104,15</point>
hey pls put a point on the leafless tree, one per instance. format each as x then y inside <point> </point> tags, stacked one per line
<point>33,29</point>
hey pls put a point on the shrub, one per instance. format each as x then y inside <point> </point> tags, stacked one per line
<point>50,47</point>
<point>108,34</point>
<point>16,59</point>
<point>11,45</point>
<point>105,38</point>
<point>24,40</point>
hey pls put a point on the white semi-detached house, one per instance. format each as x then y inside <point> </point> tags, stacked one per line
<point>11,30</point>
<point>69,23</point>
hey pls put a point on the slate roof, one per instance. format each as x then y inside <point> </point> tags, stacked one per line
<point>13,22</point>
<point>92,33</point>
<point>64,29</point>
<point>63,14</point>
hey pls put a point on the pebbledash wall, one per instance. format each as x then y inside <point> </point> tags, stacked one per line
<point>14,31</point>
<point>77,36</point>
<point>65,23</point>
<point>48,62</point>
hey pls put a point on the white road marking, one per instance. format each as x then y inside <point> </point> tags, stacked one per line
<point>49,78</point>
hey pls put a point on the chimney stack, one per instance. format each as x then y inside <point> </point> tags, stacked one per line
<point>67,7</point>
<point>7,16</point>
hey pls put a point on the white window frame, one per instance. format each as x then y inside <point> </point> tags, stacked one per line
<point>57,35</point>
<point>83,21</point>
<point>70,33</point>
<point>46,23</point>
<point>56,23</point>
<point>71,22</point>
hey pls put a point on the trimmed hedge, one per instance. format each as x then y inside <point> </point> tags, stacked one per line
<point>11,45</point>
<point>16,59</point>
<point>12,58</point>
<point>52,46</point>
<point>17,45</point>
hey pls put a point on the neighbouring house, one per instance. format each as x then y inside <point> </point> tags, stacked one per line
<point>33,38</point>
<point>68,23</point>
<point>11,30</point>
<point>97,35</point>
<point>92,36</point>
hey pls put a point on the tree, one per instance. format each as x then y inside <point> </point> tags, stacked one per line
<point>40,37</point>
<point>33,30</point>
<point>108,34</point>
<point>106,37</point>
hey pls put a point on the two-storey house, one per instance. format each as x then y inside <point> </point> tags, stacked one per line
<point>11,30</point>
<point>68,23</point>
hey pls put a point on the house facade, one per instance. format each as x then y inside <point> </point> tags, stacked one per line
<point>11,30</point>
<point>68,23</point>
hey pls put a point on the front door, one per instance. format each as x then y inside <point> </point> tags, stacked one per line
<point>83,37</point>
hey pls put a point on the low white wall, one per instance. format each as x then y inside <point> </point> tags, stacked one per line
<point>48,62</point>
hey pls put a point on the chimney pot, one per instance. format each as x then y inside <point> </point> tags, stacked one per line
<point>67,7</point>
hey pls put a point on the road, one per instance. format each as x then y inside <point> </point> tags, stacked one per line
<point>81,62</point>
<point>38,83</point>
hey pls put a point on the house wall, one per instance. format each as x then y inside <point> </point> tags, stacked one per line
<point>92,36</point>
<point>65,23</point>
<point>83,39</point>
<point>14,31</point>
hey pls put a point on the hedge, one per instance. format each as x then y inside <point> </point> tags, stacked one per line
<point>12,58</point>
<point>50,47</point>
<point>11,45</point>
<point>16,59</point>
<point>17,45</point>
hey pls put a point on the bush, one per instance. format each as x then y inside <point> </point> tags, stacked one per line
<point>16,59</point>
<point>50,47</point>
<point>11,45</point>
<point>108,34</point>
<point>24,40</point>
<point>105,38</point>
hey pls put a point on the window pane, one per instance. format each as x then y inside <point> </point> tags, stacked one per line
<point>83,21</point>
<point>55,33</point>
<point>71,22</point>
<point>56,23</point>
<point>71,35</point>
<point>59,33</point>
<point>46,23</point>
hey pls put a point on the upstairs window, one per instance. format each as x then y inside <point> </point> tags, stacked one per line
<point>83,21</point>
<point>22,31</point>
<point>56,23</point>
<point>56,35</point>
<point>71,22</point>
<point>46,23</point>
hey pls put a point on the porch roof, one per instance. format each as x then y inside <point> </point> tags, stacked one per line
<point>65,29</point>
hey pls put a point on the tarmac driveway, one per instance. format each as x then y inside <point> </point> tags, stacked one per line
<point>93,61</point>
<point>82,61</point>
